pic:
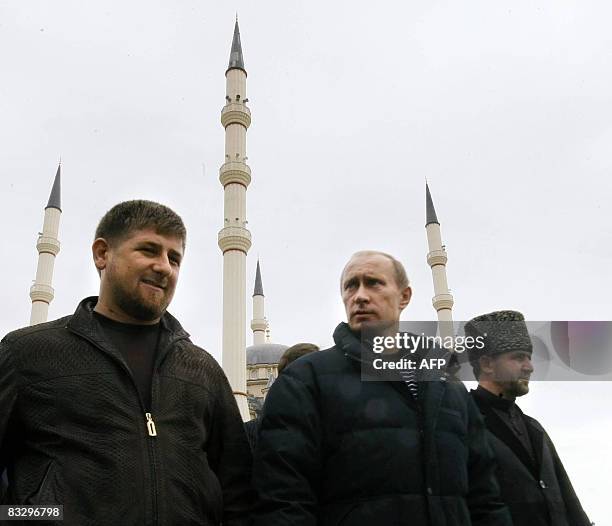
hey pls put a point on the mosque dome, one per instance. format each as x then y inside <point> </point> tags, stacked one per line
<point>265,353</point>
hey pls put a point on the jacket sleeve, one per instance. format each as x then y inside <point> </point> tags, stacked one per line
<point>287,464</point>
<point>484,501</point>
<point>230,457</point>
<point>8,400</point>
<point>575,514</point>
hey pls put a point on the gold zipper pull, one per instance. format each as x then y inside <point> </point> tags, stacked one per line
<point>150,425</point>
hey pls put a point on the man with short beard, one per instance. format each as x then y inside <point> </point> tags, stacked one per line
<point>113,412</point>
<point>533,482</point>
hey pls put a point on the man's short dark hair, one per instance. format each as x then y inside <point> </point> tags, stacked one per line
<point>139,214</point>
<point>294,352</point>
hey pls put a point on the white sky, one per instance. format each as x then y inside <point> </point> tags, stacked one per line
<point>503,106</point>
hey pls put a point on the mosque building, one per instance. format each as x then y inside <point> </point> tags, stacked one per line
<point>250,370</point>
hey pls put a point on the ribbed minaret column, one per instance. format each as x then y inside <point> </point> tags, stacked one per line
<point>48,247</point>
<point>234,238</point>
<point>437,258</point>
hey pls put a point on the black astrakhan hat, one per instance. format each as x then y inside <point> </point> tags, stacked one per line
<point>502,331</point>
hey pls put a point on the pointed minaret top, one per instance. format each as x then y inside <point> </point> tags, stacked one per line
<point>55,199</point>
<point>236,61</point>
<point>258,285</point>
<point>430,210</point>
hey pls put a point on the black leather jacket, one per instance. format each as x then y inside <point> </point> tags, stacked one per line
<point>74,431</point>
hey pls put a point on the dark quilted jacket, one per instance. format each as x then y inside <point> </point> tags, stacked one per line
<point>73,429</point>
<point>336,450</point>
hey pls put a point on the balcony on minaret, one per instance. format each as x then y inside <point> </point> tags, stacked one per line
<point>259,324</point>
<point>47,245</point>
<point>235,172</point>
<point>236,113</point>
<point>234,238</point>
<point>443,301</point>
<point>437,257</point>
<point>40,292</point>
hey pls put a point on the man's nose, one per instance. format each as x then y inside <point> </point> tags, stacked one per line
<point>528,365</point>
<point>361,295</point>
<point>162,265</point>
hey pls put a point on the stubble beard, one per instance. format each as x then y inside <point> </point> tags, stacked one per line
<point>518,388</point>
<point>136,306</point>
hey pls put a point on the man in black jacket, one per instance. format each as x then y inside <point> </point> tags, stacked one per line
<point>112,412</point>
<point>533,482</point>
<point>334,449</point>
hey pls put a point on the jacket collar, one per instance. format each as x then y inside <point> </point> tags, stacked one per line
<point>362,356</point>
<point>349,342</point>
<point>356,348</point>
<point>84,323</point>
<point>494,400</point>
<point>359,349</point>
<point>83,319</point>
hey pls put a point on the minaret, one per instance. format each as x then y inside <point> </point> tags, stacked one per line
<point>259,324</point>
<point>436,258</point>
<point>48,247</point>
<point>234,238</point>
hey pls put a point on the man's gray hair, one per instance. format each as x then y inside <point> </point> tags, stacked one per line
<point>401,278</point>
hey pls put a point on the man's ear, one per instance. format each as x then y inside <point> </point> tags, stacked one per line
<point>405,298</point>
<point>99,250</point>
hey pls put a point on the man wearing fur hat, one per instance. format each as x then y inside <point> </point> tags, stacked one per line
<point>533,482</point>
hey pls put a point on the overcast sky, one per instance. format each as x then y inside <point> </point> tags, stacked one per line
<point>505,108</point>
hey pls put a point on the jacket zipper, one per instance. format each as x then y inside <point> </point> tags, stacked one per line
<point>149,422</point>
<point>150,425</point>
<point>152,431</point>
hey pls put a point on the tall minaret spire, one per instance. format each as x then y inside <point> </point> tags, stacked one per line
<point>259,324</point>
<point>437,258</point>
<point>236,60</point>
<point>48,247</point>
<point>234,238</point>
